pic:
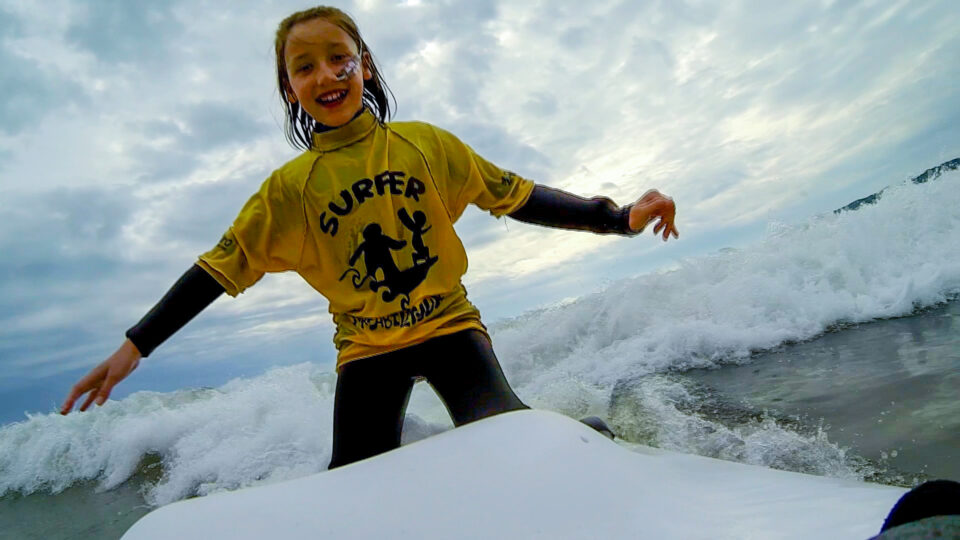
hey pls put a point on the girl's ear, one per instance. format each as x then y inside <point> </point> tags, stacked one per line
<point>366,62</point>
<point>288,91</point>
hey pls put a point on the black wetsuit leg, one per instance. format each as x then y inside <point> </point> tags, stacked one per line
<point>368,407</point>
<point>372,393</point>
<point>465,373</point>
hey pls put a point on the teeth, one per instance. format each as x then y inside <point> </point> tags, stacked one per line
<point>329,98</point>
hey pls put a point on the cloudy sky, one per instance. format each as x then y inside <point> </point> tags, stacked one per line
<point>131,132</point>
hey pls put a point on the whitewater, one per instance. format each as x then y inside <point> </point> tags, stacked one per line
<point>614,354</point>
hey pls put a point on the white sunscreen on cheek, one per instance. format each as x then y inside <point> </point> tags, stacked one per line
<point>349,69</point>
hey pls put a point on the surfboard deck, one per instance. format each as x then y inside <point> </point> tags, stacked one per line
<point>532,474</point>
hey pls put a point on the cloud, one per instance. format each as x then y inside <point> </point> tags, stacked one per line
<point>29,92</point>
<point>211,124</point>
<point>170,148</point>
<point>132,133</point>
<point>542,104</point>
<point>62,272</point>
<point>122,31</point>
<point>59,250</point>
<point>71,223</point>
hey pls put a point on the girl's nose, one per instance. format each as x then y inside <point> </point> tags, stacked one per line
<point>326,72</point>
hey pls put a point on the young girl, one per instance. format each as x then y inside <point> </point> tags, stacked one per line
<point>365,215</point>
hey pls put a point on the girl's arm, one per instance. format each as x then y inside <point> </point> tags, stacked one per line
<point>190,295</point>
<point>193,292</point>
<point>555,208</point>
<point>266,236</point>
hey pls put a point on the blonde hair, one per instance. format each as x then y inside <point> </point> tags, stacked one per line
<point>299,126</point>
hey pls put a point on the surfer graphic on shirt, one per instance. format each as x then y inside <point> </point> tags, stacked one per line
<point>376,248</point>
<point>416,226</point>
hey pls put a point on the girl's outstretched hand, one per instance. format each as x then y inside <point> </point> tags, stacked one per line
<point>101,379</point>
<point>651,206</point>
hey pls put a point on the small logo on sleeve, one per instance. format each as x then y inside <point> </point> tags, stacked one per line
<point>226,243</point>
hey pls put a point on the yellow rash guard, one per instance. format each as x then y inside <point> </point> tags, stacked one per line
<point>366,218</point>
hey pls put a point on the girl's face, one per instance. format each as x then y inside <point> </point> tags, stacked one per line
<point>326,72</point>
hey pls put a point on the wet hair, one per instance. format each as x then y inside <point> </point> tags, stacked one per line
<point>299,126</point>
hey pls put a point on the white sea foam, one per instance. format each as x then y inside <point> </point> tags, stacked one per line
<point>269,428</point>
<point>882,261</point>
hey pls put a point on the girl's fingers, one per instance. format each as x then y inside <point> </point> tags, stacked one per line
<point>107,387</point>
<point>78,390</point>
<point>668,229</point>
<point>90,398</point>
<point>101,379</point>
<point>89,383</point>
<point>68,403</point>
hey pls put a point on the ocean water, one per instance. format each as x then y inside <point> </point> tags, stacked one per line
<point>831,348</point>
<point>886,390</point>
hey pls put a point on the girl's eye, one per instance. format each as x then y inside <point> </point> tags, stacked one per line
<point>338,58</point>
<point>304,68</point>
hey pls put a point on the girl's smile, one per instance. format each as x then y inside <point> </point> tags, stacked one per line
<point>326,71</point>
<point>333,99</point>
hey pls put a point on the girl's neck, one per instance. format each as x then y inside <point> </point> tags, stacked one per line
<point>320,128</point>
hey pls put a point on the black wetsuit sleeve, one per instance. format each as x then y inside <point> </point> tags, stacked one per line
<point>194,291</point>
<point>555,208</point>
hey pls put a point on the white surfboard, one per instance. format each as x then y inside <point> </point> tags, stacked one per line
<point>532,474</point>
